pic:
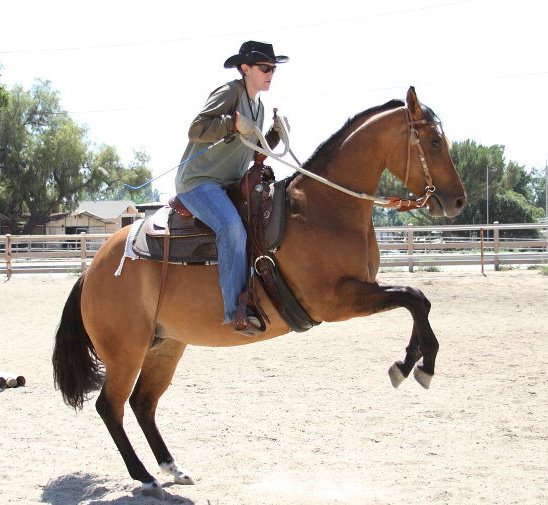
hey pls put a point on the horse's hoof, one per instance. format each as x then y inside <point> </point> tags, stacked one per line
<point>423,378</point>
<point>153,489</point>
<point>396,375</point>
<point>180,475</point>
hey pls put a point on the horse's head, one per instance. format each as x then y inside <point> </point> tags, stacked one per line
<point>427,168</point>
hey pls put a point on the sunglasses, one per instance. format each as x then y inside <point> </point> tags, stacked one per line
<point>264,68</point>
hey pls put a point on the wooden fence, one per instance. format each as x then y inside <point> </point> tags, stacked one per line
<point>410,247</point>
<point>463,245</point>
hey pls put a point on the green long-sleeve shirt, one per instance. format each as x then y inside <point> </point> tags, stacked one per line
<point>225,164</point>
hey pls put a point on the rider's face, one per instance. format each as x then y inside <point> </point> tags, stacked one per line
<point>259,75</point>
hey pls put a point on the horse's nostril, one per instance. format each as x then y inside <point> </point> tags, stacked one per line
<point>459,202</point>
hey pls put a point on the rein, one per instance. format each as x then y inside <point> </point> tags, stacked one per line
<point>401,204</point>
<point>267,152</point>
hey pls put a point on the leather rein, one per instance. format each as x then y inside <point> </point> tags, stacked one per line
<point>401,204</point>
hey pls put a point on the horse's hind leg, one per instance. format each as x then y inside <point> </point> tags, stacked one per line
<point>119,380</point>
<point>156,374</point>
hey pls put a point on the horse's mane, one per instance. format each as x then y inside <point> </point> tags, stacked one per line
<point>327,147</point>
<point>429,114</point>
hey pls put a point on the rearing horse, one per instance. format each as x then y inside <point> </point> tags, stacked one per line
<point>329,258</point>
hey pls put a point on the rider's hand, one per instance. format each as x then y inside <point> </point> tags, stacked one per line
<point>277,125</point>
<point>243,125</point>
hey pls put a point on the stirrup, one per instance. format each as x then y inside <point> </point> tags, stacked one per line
<point>251,325</point>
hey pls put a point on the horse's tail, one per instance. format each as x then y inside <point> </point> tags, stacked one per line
<point>77,370</point>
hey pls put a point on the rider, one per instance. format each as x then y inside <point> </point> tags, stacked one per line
<point>201,183</point>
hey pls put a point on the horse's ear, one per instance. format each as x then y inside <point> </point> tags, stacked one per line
<point>413,103</point>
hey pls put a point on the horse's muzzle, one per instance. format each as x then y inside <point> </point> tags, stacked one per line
<point>439,206</point>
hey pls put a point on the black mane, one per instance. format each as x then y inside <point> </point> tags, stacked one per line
<point>325,148</point>
<point>429,114</point>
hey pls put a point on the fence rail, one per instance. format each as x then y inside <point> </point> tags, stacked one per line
<point>401,246</point>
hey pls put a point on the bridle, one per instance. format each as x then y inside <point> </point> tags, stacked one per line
<point>400,204</point>
<point>414,140</point>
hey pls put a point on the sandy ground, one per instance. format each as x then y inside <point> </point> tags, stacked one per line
<point>309,418</point>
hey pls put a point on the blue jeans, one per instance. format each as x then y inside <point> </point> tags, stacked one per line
<point>210,203</point>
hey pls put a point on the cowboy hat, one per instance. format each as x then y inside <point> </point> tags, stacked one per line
<point>253,52</point>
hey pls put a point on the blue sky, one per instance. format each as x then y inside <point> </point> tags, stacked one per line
<point>136,73</point>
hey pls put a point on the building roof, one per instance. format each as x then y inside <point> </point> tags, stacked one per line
<point>106,209</point>
<point>149,205</point>
<point>63,215</point>
<point>93,216</point>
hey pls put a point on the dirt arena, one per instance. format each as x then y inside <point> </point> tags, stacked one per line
<point>305,418</point>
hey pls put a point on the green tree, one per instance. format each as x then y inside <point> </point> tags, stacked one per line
<point>47,162</point>
<point>4,95</point>
<point>44,158</point>
<point>116,179</point>
<point>517,179</point>
<point>138,174</point>
<point>477,166</point>
<point>537,186</point>
<point>511,190</point>
<point>513,207</point>
<point>107,163</point>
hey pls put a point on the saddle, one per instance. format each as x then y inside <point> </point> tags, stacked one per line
<point>257,197</point>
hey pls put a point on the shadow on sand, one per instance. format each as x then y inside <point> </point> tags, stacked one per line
<point>78,488</point>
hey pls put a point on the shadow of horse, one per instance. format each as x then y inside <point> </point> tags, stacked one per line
<point>78,488</point>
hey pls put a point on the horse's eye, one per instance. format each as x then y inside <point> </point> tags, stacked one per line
<point>436,144</point>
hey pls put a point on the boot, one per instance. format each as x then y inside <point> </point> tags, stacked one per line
<point>247,321</point>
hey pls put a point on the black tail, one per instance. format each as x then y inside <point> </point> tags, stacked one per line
<point>77,369</point>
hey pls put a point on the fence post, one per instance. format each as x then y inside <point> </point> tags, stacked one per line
<point>8,256</point>
<point>83,251</point>
<point>410,246</point>
<point>481,252</point>
<point>496,246</point>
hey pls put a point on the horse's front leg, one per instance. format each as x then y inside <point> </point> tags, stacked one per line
<point>401,369</point>
<point>369,298</point>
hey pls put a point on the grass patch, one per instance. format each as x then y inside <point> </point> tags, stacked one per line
<point>507,268</point>
<point>431,268</point>
<point>390,270</point>
<point>542,269</point>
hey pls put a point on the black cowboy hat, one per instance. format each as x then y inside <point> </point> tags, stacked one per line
<point>253,52</point>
